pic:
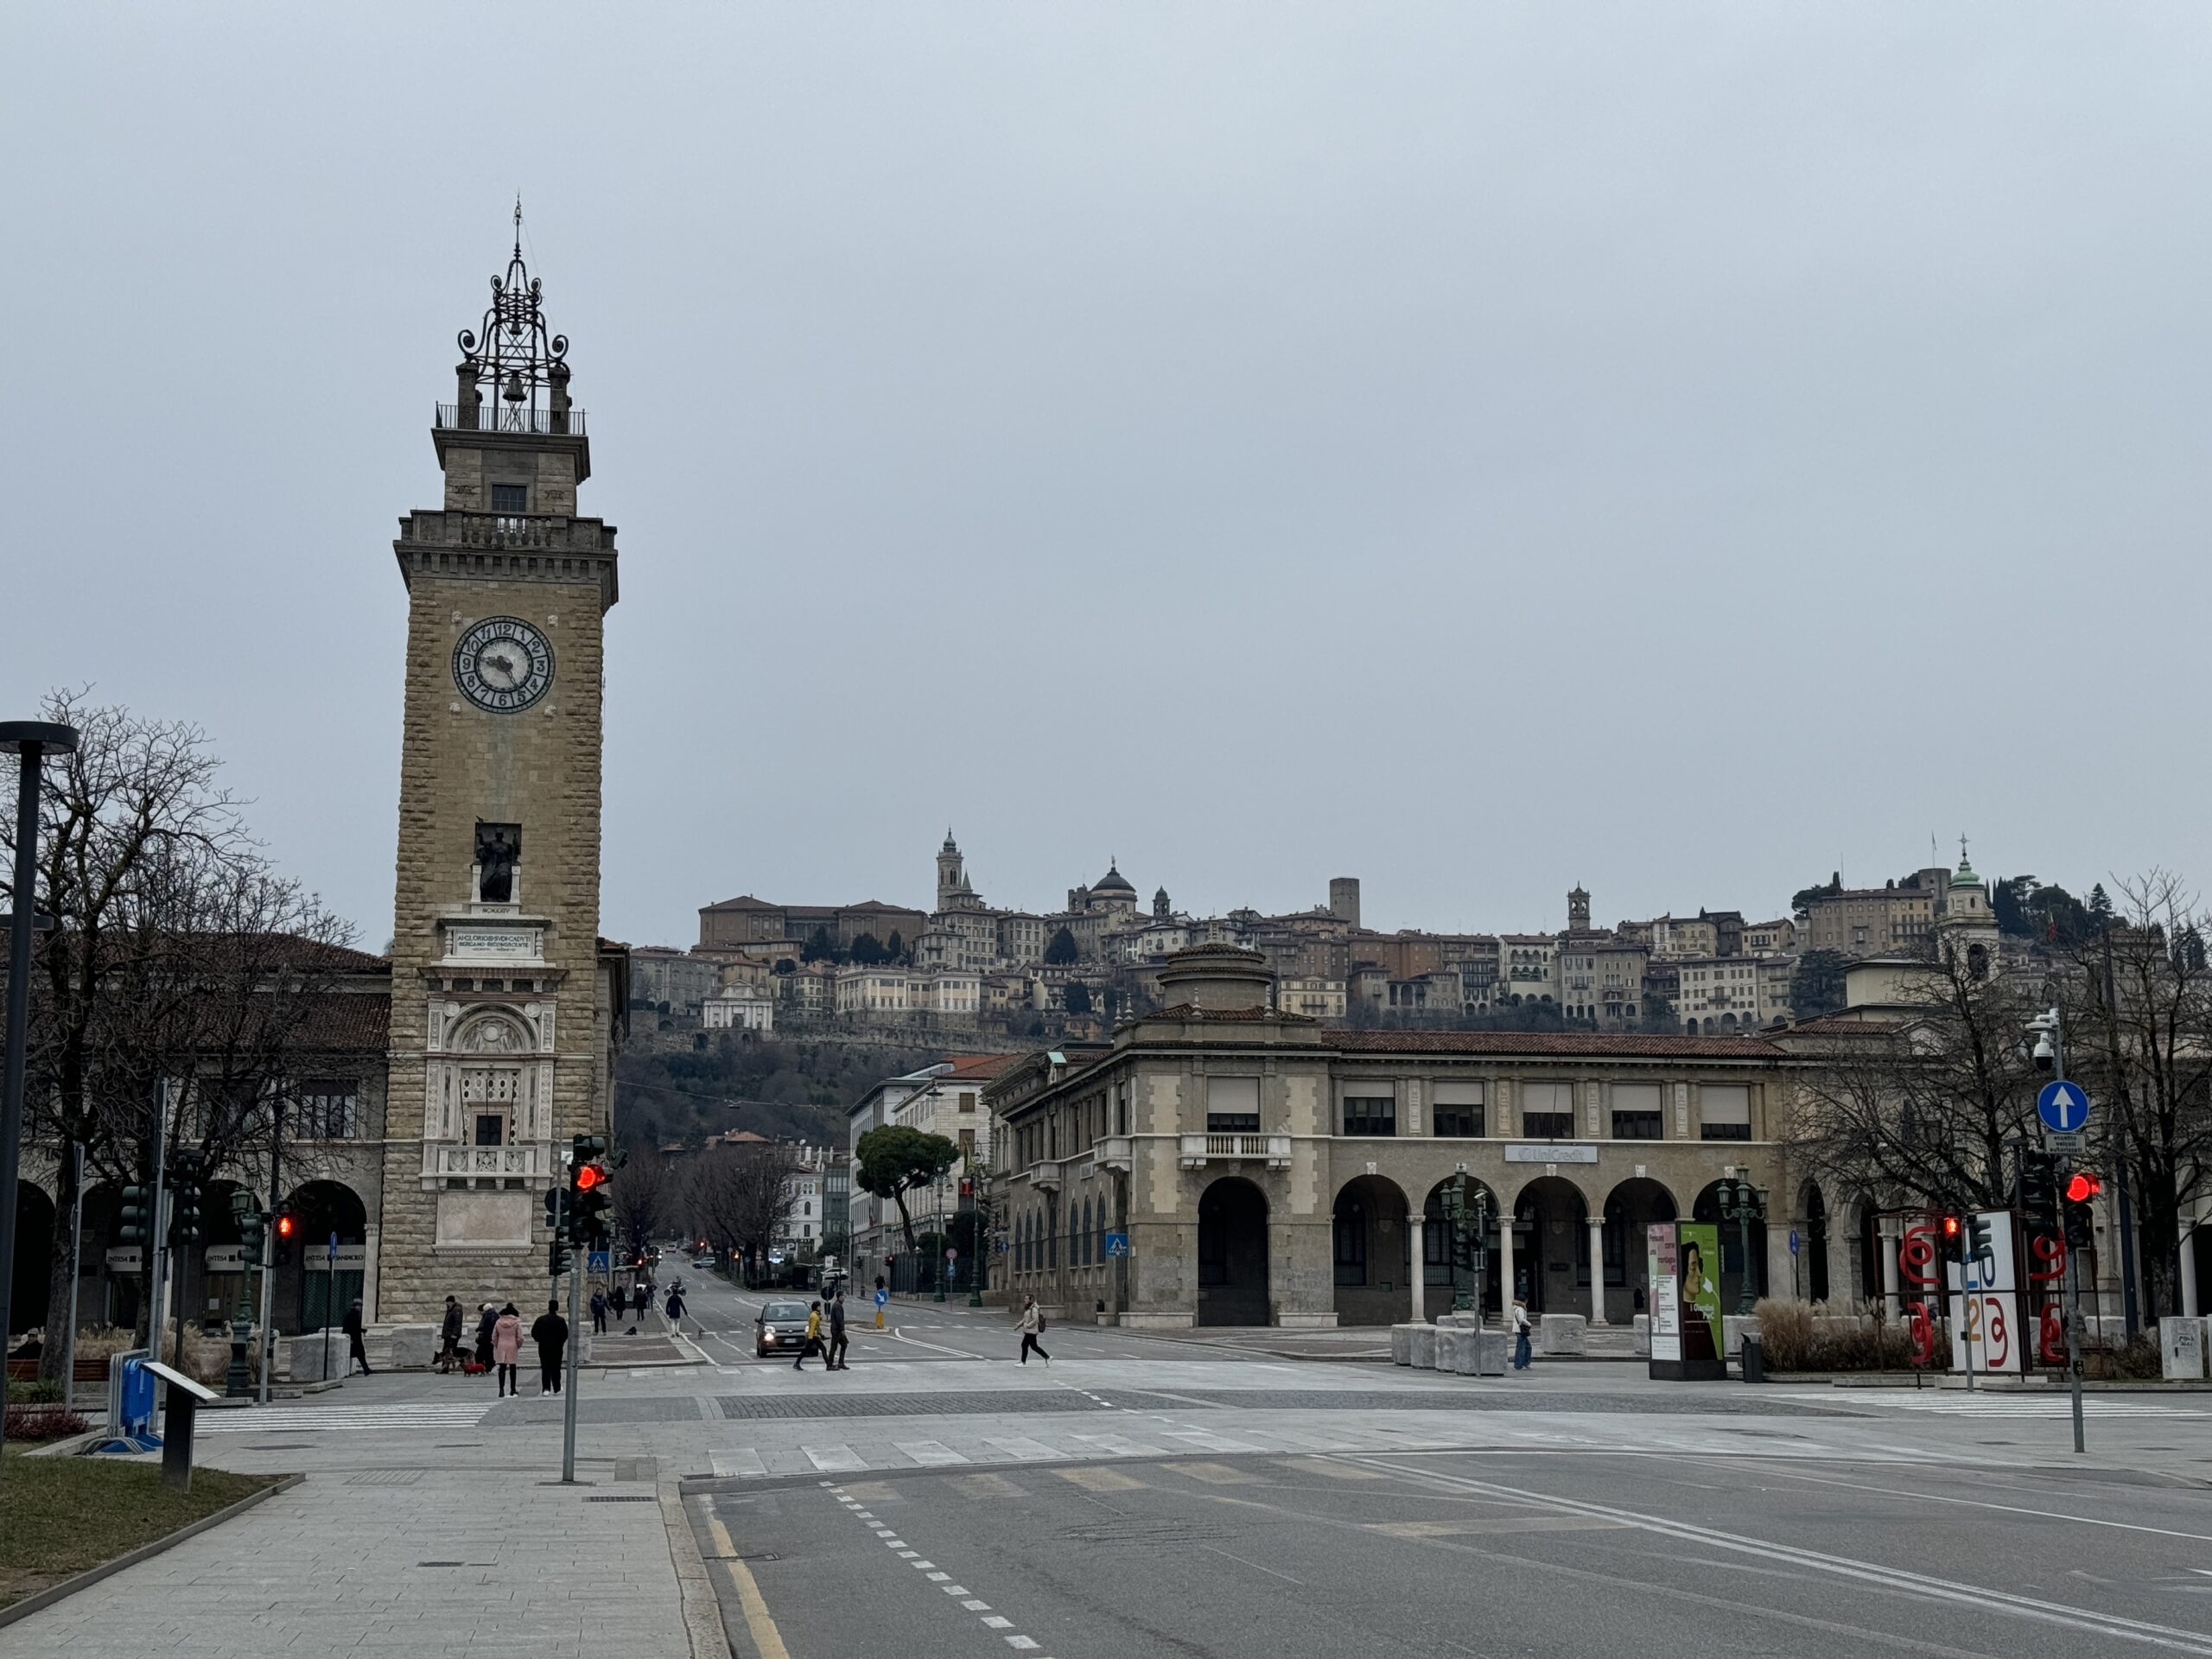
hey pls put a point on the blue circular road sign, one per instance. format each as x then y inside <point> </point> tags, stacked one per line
<point>2062,1106</point>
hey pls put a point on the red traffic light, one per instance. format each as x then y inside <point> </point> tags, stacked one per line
<point>588,1176</point>
<point>286,1225</point>
<point>2081,1187</point>
<point>1950,1226</point>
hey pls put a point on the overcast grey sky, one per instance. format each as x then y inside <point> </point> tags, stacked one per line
<point>1474,448</point>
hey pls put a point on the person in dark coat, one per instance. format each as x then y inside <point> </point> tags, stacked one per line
<point>355,1353</point>
<point>675,1306</point>
<point>485,1322</point>
<point>550,1333</point>
<point>449,1335</point>
<point>622,1300</point>
<point>837,1355</point>
<point>598,1313</point>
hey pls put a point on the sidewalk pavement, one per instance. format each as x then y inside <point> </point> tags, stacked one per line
<point>407,1560</point>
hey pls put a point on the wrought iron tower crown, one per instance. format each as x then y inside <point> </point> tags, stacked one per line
<point>511,360</point>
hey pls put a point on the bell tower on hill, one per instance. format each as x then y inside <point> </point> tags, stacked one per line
<point>505,1003</point>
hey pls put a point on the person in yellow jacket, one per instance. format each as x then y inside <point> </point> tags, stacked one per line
<point>813,1342</point>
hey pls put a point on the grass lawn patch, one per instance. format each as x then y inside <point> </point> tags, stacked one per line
<point>61,1516</point>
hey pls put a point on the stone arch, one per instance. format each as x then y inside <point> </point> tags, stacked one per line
<point>309,1293</point>
<point>1233,1253</point>
<point>1369,1248</point>
<point>31,1282</point>
<point>1630,1208</point>
<point>1438,1286</point>
<point>1734,1266</point>
<point>1551,1246</point>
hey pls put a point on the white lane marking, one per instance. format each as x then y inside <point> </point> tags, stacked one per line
<point>1922,1584</point>
<point>1024,1449</point>
<point>1206,1442</point>
<point>929,1453</point>
<point>992,1621</point>
<point>834,1459</point>
<point>739,1460</point>
<point>977,1607</point>
<point>1115,1445</point>
<point>1024,1642</point>
<point>2005,1508</point>
<point>332,1418</point>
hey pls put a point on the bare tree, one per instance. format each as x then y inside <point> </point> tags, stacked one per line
<point>740,1198</point>
<point>2139,1021</point>
<point>179,958</point>
<point>645,1193</point>
<point>1924,1107</point>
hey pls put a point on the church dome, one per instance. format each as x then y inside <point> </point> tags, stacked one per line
<point>1113,881</point>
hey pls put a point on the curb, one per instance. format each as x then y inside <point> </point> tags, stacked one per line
<point>703,1612</point>
<point>93,1575</point>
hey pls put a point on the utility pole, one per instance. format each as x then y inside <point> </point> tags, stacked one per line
<point>269,1255</point>
<point>2050,1049</point>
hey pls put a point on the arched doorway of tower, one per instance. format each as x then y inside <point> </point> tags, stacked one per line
<point>1630,1210</point>
<point>319,1280</point>
<point>1734,1264</point>
<point>32,1280</point>
<point>1813,1252</point>
<point>1437,1285</point>
<point>1371,1245</point>
<point>1232,1254</point>
<point>1551,1247</point>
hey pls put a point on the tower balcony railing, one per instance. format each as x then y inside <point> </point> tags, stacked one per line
<point>549,533</point>
<point>443,1159</point>
<point>495,416</point>
<point>1196,1151</point>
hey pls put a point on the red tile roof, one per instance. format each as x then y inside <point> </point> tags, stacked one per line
<point>978,1067</point>
<point>1626,1046</point>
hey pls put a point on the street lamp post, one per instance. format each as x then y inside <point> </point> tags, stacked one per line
<point>1745,1205</point>
<point>29,740</point>
<point>1468,1217</point>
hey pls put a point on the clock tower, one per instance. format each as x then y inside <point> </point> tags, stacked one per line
<point>505,1003</point>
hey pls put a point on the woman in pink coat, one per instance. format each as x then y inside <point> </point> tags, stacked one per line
<point>506,1348</point>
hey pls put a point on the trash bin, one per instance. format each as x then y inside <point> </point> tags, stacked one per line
<point>1754,1361</point>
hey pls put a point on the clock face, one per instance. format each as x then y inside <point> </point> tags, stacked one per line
<point>503,664</point>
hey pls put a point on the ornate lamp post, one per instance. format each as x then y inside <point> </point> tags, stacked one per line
<point>29,740</point>
<point>1467,1214</point>
<point>1743,1204</point>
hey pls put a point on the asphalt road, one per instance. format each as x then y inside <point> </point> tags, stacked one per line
<point>1549,1554</point>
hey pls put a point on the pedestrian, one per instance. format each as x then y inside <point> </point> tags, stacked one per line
<point>1520,1335</point>
<point>550,1333</point>
<point>506,1348</point>
<point>355,1353</point>
<point>449,1335</point>
<point>486,1319</point>
<point>812,1345</point>
<point>598,1313</point>
<point>1033,1327</point>
<point>622,1300</point>
<point>675,1306</point>
<point>837,1339</point>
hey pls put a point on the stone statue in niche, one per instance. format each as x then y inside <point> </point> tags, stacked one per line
<point>498,851</point>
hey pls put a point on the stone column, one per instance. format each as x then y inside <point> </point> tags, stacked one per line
<point>2190,1305</point>
<point>372,1265</point>
<point>1892,1308</point>
<point>1505,1267</point>
<point>1414,1225</point>
<point>1597,1270</point>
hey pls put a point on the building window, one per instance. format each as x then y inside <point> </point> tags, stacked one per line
<point>328,1110</point>
<point>1459,1123</point>
<point>1232,1105</point>
<point>967,1103</point>
<point>1725,1112</point>
<point>1636,1126</point>
<point>1547,1126</point>
<point>511,498</point>
<point>1371,1114</point>
<point>1352,1243</point>
<point>1724,1132</point>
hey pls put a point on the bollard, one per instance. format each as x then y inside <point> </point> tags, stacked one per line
<point>1754,1360</point>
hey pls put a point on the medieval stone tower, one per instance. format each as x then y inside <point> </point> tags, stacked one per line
<point>503,1003</point>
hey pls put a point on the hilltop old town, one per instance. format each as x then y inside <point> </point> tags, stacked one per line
<point>924,1264</point>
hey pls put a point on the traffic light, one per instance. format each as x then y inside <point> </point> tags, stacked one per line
<point>1980,1246</point>
<point>187,1225</point>
<point>556,1211</point>
<point>245,1211</point>
<point>2081,1187</point>
<point>137,1215</point>
<point>587,1194</point>
<point>288,1228</point>
<point>2039,1190</point>
<point>1955,1235</point>
<point>557,1259</point>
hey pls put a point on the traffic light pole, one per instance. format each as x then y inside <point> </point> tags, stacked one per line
<point>268,1259</point>
<point>575,1341</point>
<point>2073,1272</point>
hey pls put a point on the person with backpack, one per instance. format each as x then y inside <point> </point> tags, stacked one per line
<point>1033,1327</point>
<point>1521,1355</point>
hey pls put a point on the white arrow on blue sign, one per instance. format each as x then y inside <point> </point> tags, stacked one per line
<point>2062,1106</point>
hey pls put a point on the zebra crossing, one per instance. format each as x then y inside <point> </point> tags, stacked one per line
<point>312,1420</point>
<point>755,1462</point>
<point>2035,1408</point>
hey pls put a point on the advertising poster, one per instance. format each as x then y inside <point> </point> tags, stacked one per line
<point>1666,1301</point>
<point>1983,1302</point>
<point>1697,1269</point>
